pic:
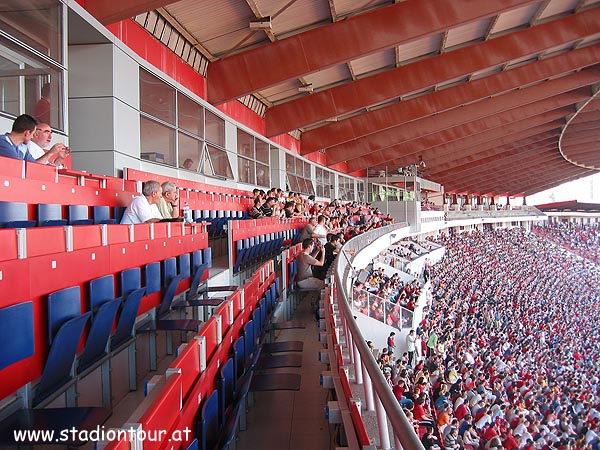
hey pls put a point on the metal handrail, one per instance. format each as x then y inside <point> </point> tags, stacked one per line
<point>404,433</point>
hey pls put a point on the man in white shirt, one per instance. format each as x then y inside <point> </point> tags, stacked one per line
<point>142,208</point>
<point>320,232</point>
<point>42,136</point>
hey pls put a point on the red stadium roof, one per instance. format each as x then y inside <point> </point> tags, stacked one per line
<point>495,95</point>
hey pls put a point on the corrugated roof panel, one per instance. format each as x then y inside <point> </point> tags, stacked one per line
<point>467,32</point>
<point>218,26</point>
<point>420,47</point>
<point>374,62</point>
<point>297,17</point>
<point>485,72</point>
<point>327,77</point>
<point>347,7</point>
<point>515,18</point>
<point>281,92</point>
<point>556,7</point>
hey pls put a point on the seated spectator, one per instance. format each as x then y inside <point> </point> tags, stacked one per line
<point>256,210</point>
<point>142,208</point>
<point>14,144</point>
<point>40,143</point>
<point>289,209</point>
<point>269,208</point>
<point>188,164</point>
<point>168,204</point>
<point>306,261</point>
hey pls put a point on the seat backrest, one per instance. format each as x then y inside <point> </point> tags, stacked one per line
<point>97,340</point>
<point>126,322</point>
<point>152,277</point>
<point>248,339</point>
<point>14,215</point>
<point>197,279</point>
<point>63,305</point>
<point>207,256</point>
<point>130,280</point>
<point>226,388</point>
<point>79,215</point>
<point>118,212</point>
<point>209,422</point>
<point>102,215</point>
<point>196,259</point>
<point>50,215</point>
<point>183,263</point>
<point>57,370</point>
<point>16,333</point>
<point>239,357</point>
<point>169,270</point>
<point>101,290</point>
<point>168,296</point>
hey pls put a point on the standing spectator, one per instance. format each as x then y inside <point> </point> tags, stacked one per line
<point>320,232</point>
<point>306,261</point>
<point>432,344</point>
<point>411,339</point>
<point>391,343</point>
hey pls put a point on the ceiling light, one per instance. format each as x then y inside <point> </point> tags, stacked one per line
<point>263,23</point>
<point>306,88</point>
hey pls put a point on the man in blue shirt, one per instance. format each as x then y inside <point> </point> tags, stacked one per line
<point>14,144</point>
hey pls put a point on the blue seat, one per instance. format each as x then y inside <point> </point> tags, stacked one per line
<point>126,323</point>
<point>213,435</point>
<point>50,215</point>
<point>57,370</point>
<point>97,340</point>
<point>167,299</point>
<point>169,270</point>
<point>16,333</point>
<point>152,277</point>
<point>102,215</point>
<point>101,290</point>
<point>63,305</point>
<point>14,215</point>
<point>118,212</point>
<point>207,256</point>
<point>183,263</point>
<point>196,259</point>
<point>130,280</point>
<point>195,283</point>
<point>79,215</point>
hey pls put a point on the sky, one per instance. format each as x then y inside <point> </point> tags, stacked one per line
<point>584,190</point>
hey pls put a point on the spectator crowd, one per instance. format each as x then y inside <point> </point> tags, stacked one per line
<point>510,350</point>
<point>584,240</point>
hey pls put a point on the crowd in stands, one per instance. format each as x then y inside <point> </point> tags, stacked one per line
<point>510,353</point>
<point>583,240</point>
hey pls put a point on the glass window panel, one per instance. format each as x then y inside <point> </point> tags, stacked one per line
<point>262,175</point>
<point>190,116</point>
<point>36,23</point>
<point>41,80</point>
<point>246,170</point>
<point>293,183</point>
<point>307,173</point>
<point>290,164</point>
<point>157,141</point>
<point>326,190</point>
<point>245,143</point>
<point>215,128</point>
<point>262,151</point>
<point>156,97</point>
<point>310,188</point>
<point>190,152</point>
<point>319,190</point>
<point>220,162</point>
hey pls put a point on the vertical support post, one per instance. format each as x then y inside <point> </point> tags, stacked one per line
<point>370,404</point>
<point>358,367</point>
<point>382,424</point>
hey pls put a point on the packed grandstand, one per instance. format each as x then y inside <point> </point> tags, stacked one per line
<point>510,346</point>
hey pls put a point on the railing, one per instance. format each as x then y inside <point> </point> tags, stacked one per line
<point>378,308</point>
<point>378,395</point>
